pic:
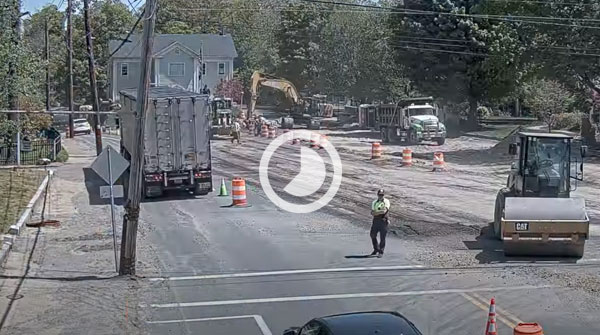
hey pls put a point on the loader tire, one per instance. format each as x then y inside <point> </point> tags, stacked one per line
<point>499,211</point>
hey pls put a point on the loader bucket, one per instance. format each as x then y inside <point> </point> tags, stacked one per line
<point>544,227</point>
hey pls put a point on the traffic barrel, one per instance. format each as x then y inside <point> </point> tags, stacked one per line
<point>272,132</point>
<point>238,192</point>
<point>528,329</point>
<point>264,131</point>
<point>376,150</point>
<point>438,161</point>
<point>406,157</point>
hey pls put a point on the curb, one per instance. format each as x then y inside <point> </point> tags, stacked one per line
<point>15,229</point>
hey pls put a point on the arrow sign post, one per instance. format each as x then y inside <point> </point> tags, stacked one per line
<point>110,165</point>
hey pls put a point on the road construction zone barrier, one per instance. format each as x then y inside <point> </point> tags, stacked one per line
<point>438,161</point>
<point>376,150</point>
<point>528,329</point>
<point>238,192</point>
<point>264,131</point>
<point>314,140</point>
<point>272,132</point>
<point>406,157</point>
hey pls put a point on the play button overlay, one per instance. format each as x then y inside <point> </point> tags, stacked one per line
<point>308,180</point>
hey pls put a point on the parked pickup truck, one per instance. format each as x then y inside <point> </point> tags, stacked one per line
<point>177,140</point>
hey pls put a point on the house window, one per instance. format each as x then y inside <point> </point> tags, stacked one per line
<point>176,69</point>
<point>221,68</point>
<point>124,69</point>
<point>177,51</point>
<point>203,69</point>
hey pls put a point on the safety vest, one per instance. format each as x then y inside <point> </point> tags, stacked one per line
<point>380,205</point>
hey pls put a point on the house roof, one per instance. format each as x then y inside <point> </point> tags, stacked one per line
<point>212,45</point>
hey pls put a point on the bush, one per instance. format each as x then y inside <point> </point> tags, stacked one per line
<point>62,156</point>
<point>483,112</point>
<point>568,121</point>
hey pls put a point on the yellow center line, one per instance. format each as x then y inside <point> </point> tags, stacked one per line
<point>477,303</point>
<point>498,309</point>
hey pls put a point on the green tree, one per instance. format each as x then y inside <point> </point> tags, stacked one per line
<point>548,99</point>
<point>455,55</point>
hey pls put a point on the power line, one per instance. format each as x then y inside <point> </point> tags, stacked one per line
<point>510,18</point>
<point>129,34</point>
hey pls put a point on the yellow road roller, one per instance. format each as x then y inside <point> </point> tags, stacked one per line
<point>535,214</point>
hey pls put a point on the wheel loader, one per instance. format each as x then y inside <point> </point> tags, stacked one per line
<point>535,214</point>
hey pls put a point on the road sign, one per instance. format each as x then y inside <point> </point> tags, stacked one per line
<point>117,191</point>
<point>118,165</point>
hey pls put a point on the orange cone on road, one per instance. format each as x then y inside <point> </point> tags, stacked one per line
<point>490,328</point>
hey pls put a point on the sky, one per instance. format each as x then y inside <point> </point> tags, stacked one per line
<point>33,6</point>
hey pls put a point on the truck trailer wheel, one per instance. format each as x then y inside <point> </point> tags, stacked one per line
<point>384,135</point>
<point>200,191</point>
<point>440,140</point>
<point>413,138</point>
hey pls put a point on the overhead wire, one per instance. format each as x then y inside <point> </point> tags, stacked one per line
<point>129,34</point>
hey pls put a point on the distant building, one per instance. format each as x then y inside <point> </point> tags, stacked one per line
<point>179,60</point>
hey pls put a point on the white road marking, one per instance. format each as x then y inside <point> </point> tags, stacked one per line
<point>289,272</point>
<point>342,296</point>
<point>260,322</point>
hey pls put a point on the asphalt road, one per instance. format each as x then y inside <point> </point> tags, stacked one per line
<point>260,270</point>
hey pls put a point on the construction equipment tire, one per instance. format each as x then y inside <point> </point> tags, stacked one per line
<point>384,135</point>
<point>413,138</point>
<point>440,140</point>
<point>499,211</point>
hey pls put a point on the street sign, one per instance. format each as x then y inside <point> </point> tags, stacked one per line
<point>118,165</point>
<point>117,191</point>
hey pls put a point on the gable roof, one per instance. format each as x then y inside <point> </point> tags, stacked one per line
<point>211,44</point>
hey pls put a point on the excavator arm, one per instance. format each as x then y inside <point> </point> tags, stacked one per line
<point>259,80</point>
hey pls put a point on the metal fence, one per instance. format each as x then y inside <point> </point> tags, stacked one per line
<point>31,152</point>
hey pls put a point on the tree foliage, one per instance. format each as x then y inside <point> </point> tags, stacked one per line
<point>548,99</point>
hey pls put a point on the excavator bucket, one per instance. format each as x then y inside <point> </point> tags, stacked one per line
<point>544,227</point>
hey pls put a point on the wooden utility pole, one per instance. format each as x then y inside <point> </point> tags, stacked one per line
<point>70,65</point>
<point>92,71</point>
<point>134,194</point>
<point>47,58</point>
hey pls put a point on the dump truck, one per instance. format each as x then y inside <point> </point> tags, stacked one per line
<point>177,140</point>
<point>535,214</point>
<point>410,120</point>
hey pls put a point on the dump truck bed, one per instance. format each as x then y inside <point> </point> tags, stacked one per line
<point>177,134</point>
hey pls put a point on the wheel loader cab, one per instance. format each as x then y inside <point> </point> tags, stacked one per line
<point>543,167</point>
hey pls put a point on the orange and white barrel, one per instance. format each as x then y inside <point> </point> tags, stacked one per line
<point>406,157</point>
<point>264,131</point>
<point>238,192</point>
<point>272,132</point>
<point>322,140</point>
<point>528,329</point>
<point>376,150</point>
<point>438,161</point>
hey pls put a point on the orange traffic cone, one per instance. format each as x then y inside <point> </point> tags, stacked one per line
<point>490,328</point>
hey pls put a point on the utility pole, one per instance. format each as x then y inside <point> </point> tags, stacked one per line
<point>92,71</point>
<point>134,194</point>
<point>47,58</point>
<point>70,65</point>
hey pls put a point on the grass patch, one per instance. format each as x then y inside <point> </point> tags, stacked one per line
<point>17,186</point>
<point>62,156</point>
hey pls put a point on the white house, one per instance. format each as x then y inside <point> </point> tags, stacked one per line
<point>186,61</point>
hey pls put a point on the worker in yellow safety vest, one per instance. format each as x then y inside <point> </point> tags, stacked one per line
<point>379,209</point>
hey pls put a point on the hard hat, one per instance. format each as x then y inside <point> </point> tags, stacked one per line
<point>380,192</point>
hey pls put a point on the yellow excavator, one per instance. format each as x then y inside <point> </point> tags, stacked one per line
<point>299,106</point>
